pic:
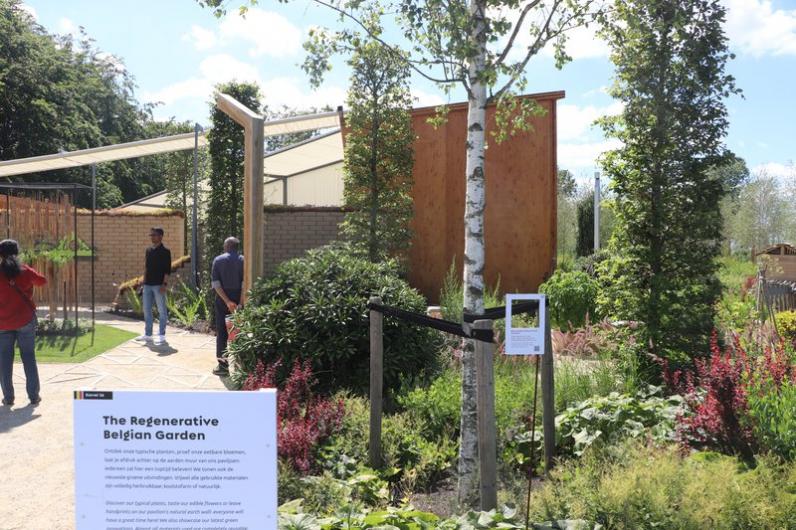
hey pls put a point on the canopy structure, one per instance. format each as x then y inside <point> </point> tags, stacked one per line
<point>96,155</point>
<point>300,157</point>
<point>154,146</point>
<point>178,142</point>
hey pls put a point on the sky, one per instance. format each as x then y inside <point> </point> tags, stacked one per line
<point>177,51</point>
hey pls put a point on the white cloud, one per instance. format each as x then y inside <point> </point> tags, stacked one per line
<point>775,169</point>
<point>67,27</point>
<point>582,43</point>
<point>222,67</point>
<point>276,91</point>
<point>755,27</point>
<point>421,98</point>
<point>293,92</point>
<point>112,60</point>
<point>584,155</point>
<point>217,68</point>
<point>270,33</point>
<point>599,91</point>
<point>30,10</point>
<point>201,38</point>
<point>194,88</point>
<point>574,122</point>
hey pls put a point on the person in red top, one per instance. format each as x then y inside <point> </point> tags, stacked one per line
<point>17,321</point>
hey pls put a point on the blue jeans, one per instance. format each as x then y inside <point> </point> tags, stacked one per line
<point>25,337</point>
<point>152,293</point>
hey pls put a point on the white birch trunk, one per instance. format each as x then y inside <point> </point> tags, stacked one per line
<point>473,280</point>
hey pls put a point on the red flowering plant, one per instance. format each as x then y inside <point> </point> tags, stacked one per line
<point>305,419</point>
<point>718,390</point>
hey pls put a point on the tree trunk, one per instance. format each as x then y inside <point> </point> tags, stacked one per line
<point>373,242</point>
<point>473,253</point>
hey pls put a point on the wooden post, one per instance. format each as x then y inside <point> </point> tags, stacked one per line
<point>548,398</point>
<point>487,436</point>
<point>254,136</point>
<point>376,383</point>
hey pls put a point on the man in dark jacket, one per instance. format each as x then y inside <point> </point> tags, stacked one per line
<point>156,275</point>
<point>226,278</point>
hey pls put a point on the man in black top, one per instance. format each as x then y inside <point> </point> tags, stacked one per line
<point>226,279</point>
<point>156,275</point>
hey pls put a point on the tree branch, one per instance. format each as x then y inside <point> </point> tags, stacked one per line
<point>389,47</point>
<point>515,32</point>
<point>545,36</point>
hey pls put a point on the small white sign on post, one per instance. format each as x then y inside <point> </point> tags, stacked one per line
<point>522,339</point>
<point>177,460</point>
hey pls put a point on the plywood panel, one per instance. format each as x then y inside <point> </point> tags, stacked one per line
<point>521,200</point>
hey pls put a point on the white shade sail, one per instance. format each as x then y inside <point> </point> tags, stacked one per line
<point>96,155</point>
<point>154,146</point>
<point>310,154</point>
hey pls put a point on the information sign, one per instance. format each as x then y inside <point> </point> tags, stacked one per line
<point>522,336</point>
<point>175,460</point>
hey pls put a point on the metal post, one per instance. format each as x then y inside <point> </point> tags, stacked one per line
<point>93,210</point>
<point>194,215</point>
<point>284,191</point>
<point>74,242</point>
<point>548,398</point>
<point>487,435</point>
<point>376,382</point>
<point>8,214</point>
<point>533,441</point>
<point>596,211</point>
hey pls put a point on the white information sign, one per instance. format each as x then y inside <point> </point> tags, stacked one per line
<point>520,338</point>
<point>175,460</point>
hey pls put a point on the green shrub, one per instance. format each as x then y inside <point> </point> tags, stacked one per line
<point>616,417</point>
<point>772,412</point>
<point>571,297</point>
<point>578,380</point>
<point>413,457</point>
<point>187,305</point>
<point>326,495</point>
<point>786,324</point>
<point>452,297</point>
<point>645,488</point>
<point>315,307</point>
<point>293,517</point>
<point>437,406</point>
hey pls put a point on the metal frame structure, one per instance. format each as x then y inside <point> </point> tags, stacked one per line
<point>256,130</point>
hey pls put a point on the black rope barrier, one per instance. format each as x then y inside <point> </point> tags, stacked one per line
<point>446,326</point>
<point>498,313</point>
<point>455,328</point>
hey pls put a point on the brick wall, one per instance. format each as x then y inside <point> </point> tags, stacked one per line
<point>120,242</point>
<point>291,231</point>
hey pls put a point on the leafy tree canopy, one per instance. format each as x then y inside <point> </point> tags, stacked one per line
<point>58,94</point>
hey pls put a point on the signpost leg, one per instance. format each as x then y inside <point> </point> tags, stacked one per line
<point>548,398</point>
<point>487,437</point>
<point>533,442</point>
<point>376,382</point>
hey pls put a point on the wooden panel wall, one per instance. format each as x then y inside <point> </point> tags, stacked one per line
<point>520,223</point>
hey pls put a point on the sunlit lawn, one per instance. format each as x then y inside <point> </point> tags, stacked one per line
<point>55,349</point>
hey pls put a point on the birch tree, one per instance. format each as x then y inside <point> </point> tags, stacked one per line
<point>483,46</point>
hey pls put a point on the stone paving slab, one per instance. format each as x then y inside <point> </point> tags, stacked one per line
<point>36,451</point>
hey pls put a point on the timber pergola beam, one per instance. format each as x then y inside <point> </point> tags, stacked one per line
<point>254,151</point>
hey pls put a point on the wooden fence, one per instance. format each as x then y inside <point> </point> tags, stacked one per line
<point>42,222</point>
<point>779,295</point>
